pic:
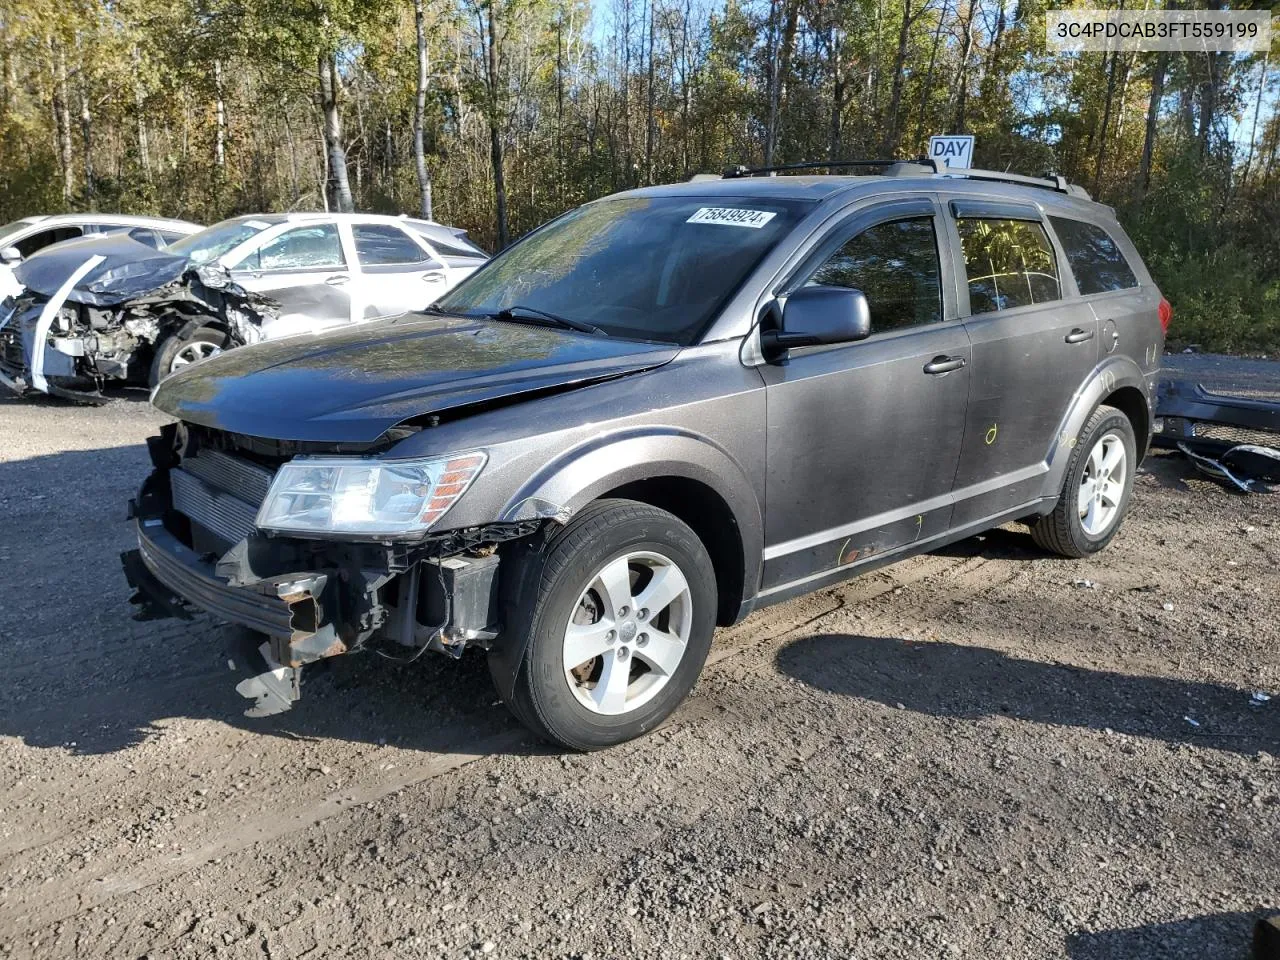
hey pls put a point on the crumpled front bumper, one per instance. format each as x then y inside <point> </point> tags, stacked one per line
<point>170,578</point>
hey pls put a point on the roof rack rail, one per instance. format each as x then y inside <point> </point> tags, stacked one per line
<point>734,173</point>
<point>1052,181</point>
<point>920,166</point>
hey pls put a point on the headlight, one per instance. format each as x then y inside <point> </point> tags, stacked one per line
<point>213,276</point>
<point>372,497</point>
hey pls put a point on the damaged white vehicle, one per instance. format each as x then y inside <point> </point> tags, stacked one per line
<point>111,309</point>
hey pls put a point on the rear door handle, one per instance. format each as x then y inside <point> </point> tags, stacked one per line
<point>337,279</point>
<point>1078,336</point>
<point>943,364</point>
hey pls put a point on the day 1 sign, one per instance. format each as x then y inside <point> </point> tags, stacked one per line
<point>954,152</point>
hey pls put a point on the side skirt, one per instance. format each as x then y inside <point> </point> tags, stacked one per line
<point>819,581</point>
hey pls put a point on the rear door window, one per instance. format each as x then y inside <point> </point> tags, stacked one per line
<point>382,245</point>
<point>314,247</point>
<point>1008,263</point>
<point>895,265</point>
<point>1096,261</point>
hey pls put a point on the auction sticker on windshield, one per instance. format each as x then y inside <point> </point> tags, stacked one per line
<point>732,217</point>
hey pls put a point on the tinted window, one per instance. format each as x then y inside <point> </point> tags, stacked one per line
<point>1096,261</point>
<point>378,244</point>
<point>302,248</point>
<point>443,241</point>
<point>45,238</point>
<point>456,248</point>
<point>896,266</point>
<point>650,268</point>
<point>145,235</point>
<point>1009,264</point>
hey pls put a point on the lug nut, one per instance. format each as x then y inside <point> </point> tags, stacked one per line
<point>642,639</point>
<point>623,611</point>
<point>622,653</point>
<point>644,613</point>
<point>611,636</point>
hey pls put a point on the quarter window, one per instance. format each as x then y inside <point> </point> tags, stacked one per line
<point>895,265</point>
<point>1009,263</point>
<point>378,245</point>
<point>302,248</point>
<point>1096,261</point>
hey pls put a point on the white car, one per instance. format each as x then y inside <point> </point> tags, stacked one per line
<point>326,270</point>
<point>22,238</point>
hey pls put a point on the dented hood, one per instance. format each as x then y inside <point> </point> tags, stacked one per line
<point>128,269</point>
<point>352,384</point>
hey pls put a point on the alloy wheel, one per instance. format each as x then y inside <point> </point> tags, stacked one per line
<point>193,352</point>
<point>628,633</point>
<point>1102,485</point>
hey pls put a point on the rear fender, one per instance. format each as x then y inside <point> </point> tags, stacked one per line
<point>1111,375</point>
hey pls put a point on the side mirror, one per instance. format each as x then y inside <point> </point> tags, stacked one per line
<point>819,315</point>
<point>10,255</point>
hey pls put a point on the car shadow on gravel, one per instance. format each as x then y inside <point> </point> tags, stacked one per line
<point>1218,936</point>
<point>434,705</point>
<point>962,682</point>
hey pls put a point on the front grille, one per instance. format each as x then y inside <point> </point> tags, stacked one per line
<point>220,492</point>
<point>1234,435</point>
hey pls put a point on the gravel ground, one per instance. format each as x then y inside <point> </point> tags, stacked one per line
<point>983,752</point>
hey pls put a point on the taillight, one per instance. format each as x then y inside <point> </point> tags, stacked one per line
<point>1166,314</point>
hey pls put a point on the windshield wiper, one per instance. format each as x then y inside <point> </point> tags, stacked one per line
<point>519,312</point>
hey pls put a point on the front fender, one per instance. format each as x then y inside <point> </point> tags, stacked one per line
<point>605,462</point>
<point>1114,373</point>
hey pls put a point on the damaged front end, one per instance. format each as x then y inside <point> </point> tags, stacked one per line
<point>199,547</point>
<point>87,320</point>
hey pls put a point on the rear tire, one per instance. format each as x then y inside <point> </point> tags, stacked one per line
<point>184,347</point>
<point>1096,490</point>
<point>628,593</point>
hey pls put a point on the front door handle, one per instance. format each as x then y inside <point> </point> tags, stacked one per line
<point>337,279</point>
<point>943,364</point>
<point>434,276</point>
<point>1078,336</point>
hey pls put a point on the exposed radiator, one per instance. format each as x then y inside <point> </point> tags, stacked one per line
<point>219,492</point>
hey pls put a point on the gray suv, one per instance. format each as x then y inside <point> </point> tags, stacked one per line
<point>652,416</point>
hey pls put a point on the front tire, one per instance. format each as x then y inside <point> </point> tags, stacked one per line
<point>185,347</point>
<point>1096,491</point>
<point>616,622</point>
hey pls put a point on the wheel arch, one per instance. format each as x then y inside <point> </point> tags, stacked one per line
<point>707,515</point>
<point>1117,382</point>
<point>679,471</point>
<point>1131,402</point>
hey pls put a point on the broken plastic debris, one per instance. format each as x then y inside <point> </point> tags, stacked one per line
<point>1087,584</point>
<point>1194,723</point>
<point>1168,606</point>
<point>1258,698</point>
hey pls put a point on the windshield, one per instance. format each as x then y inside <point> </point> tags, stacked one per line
<point>644,268</point>
<point>211,243</point>
<point>13,229</point>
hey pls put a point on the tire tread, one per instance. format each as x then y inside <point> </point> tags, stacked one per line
<point>592,522</point>
<point>1054,532</point>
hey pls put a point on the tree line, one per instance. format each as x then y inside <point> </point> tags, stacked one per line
<point>496,115</point>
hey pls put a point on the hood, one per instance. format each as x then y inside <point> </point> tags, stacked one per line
<point>129,269</point>
<point>353,384</point>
